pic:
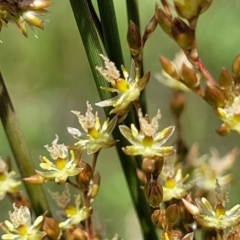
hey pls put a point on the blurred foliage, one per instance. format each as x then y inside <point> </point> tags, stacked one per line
<point>49,76</point>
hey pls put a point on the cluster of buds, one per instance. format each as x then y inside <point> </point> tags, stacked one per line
<point>181,32</point>
<point>22,12</point>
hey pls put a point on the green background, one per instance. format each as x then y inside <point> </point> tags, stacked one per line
<point>50,76</point>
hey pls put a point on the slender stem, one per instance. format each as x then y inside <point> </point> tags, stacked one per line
<point>20,151</point>
<point>133,15</point>
<point>129,164</point>
<point>72,184</point>
<point>94,162</point>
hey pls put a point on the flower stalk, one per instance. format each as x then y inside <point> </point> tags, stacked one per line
<point>20,150</point>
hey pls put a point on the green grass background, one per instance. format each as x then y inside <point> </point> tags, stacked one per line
<point>50,76</point>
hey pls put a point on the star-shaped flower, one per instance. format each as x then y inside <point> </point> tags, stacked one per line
<point>148,141</point>
<point>127,89</point>
<point>214,217</point>
<point>8,180</point>
<point>20,227</point>
<point>94,136</point>
<point>230,114</point>
<point>63,166</point>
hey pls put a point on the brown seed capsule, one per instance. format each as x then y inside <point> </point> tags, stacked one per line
<point>154,193</point>
<point>80,234</point>
<point>153,165</point>
<point>84,177</point>
<point>50,226</point>
<point>172,214</point>
<point>155,217</point>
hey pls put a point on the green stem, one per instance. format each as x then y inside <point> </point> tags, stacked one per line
<point>20,150</point>
<point>133,15</point>
<point>93,48</point>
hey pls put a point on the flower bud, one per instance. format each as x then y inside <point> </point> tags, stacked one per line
<point>164,20</point>
<point>236,69</point>
<point>225,80</point>
<point>204,5</point>
<point>214,96</point>
<point>154,193</point>
<point>149,29</point>
<point>20,200</point>
<point>36,179</point>
<point>134,39</point>
<point>189,77</point>
<point>182,34</point>
<point>187,8</point>
<point>156,217</point>
<point>169,68</point>
<point>95,185</point>
<point>84,177</point>
<point>50,226</point>
<point>172,214</point>
<point>80,234</point>
<point>223,130</point>
<point>177,104</point>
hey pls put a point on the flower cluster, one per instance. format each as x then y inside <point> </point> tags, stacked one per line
<point>22,12</point>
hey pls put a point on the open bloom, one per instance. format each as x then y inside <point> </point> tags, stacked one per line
<point>94,136</point>
<point>127,89</point>
<point>148,141</point>
<point>8,180</point>
<point>63,166</point>
<point>207,169</point>
<point>75,214</point>
<point>23,12</point>
<point>20,227</point>
<point>230,114</point>
<point>174,187</point>
<point>214,217</point>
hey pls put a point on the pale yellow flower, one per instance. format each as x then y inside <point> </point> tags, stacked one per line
<point>94,135</point>
<point>63,166</point>
<point>214,217</point>
<point>147,142</point>
<point>8,180</point>
<point>127,89</point>
<point>20,227</point>
<point>230,114</point>
<point>75,214</point>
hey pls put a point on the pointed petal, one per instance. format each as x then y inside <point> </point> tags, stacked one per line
<point>127,133</point>
<point>161,137</point>
<point>193,209</point>
<point>108,102</point>
<point>74,132</point>
<point>143,81</point>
